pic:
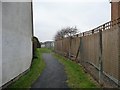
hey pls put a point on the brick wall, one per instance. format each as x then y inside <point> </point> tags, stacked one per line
<point>115,10</point>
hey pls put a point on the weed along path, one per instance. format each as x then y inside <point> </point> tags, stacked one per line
<point>53,75</point>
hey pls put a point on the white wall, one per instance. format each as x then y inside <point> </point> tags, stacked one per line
<point>42,45</point>
<point>16,39</point>
<point>0,43</point>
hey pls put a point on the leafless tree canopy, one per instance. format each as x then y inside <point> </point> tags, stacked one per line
<point>66,32</point>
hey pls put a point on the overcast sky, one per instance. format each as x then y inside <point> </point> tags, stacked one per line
<point>50,16</point>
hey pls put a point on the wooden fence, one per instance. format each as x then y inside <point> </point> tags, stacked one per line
<point>99,51</point>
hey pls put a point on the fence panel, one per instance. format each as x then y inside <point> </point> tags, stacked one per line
<point>110,55</point>
<point>75,42</point>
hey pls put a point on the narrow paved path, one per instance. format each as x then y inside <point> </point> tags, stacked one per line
<point>53,76</point>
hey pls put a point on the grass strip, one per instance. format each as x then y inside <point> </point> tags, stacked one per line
<point>36,69</point>
<point>76,76</point>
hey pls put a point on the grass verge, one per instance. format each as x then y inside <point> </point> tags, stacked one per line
<point>36,69</point>
<point>77,78</point>
<point>45,50</point>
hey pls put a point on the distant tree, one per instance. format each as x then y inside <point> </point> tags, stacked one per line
<point>36,44</point>
<point>66,32</point>
<point>71,31</point>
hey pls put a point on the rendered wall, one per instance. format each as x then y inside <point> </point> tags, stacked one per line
<point>16,39</point>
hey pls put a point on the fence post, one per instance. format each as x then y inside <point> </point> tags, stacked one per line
<point>78,51</point>
<point>70,40</point>
<point>100,57</point>
<point>92,31</point>
<point>62,46</point>
<point>69,46</point>
<point>119,53</point>
<point>83,33</point>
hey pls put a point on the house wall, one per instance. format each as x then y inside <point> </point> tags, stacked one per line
<point>115,10</point>
<point>16,39</point>
<point>49,44</point>
<point>42,45</point>
<point>0,43</point>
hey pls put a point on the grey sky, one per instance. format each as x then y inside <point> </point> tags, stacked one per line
<point>49,17</point>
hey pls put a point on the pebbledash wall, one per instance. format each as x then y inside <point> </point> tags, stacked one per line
<point>17,32</point>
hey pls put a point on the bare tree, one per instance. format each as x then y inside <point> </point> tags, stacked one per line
<point>59,35</point>
<point>70,31</point>
<point>66,32</point>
